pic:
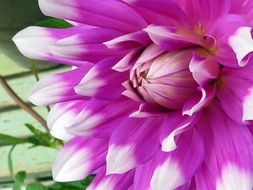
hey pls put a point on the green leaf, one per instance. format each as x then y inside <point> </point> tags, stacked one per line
<point>35,131</point>
<point>53,23</point>
<point>41,138</point>
<point>19,179</point>
<point>56,186</point>
<point>10,140</point>
<point>86,182</point>
<point>36,186</point>
<point>20,176</point>
<point>75,185</point>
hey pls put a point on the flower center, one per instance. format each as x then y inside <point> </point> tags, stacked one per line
<point>199,29</point>
<point>165,80</point>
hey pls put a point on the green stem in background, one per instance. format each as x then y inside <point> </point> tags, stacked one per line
<point>34,70</point>
<point>22,104</point>
<point>10,163</point>
<point>36,74</point>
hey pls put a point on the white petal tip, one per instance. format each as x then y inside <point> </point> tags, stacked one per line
<point>120,159</point>
<point>25,42</point>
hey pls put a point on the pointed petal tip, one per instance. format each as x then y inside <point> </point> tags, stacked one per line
<point>24,40</point>
<point>119,159</point>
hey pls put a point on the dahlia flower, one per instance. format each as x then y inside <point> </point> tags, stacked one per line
<point>160,95</point>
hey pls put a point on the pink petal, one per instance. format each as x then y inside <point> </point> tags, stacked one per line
<point>128,61</point>
<point>58,87</point>
<point>196,103</point>
<point>242,36</point>
<point>147,110</point>
<point>204,70</point>
<point>168,39</point>
<point>151,52</point>
<point>99,113</point>
<point>88,46</point>
<point>158,10</point>
<point>228,163</point>
<point>111,182</point>
<point>107,14</point>
<point>102,82</point>
<point>175,125</point>
<point>236,87</point>
<point>61,116</point>
<point>178,166</point>
<point>129,41</point>
<point>44,38</point>
<point>204,12</point>
<point>126,153</point>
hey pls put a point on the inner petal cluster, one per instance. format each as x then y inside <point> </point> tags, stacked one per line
<point>165,80</point>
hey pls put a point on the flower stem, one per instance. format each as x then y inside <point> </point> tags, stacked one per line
<point>22,104</point>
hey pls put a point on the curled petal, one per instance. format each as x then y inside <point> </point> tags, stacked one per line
<point>147,110</point>
<point>175,125</point>
<point>242,44</point>
<point>196,103</point>
<point>204,70</point>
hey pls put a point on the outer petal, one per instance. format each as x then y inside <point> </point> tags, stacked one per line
<point>126,153</point>
<point>158,9</point>
<point>44,38</point>
<point>108,13</point>
<point>204,12</point>
<point>228,161</point>
<point>61,115</point>
<point>111,182</point>
<point>87,45</point>
<point>168,171</point>
<point>102,82</point>
<point>98,113</point>
<point>79,158</point>
<point>69,46</point>
<point>58,87</point>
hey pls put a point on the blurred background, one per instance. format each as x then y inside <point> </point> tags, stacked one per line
<point>27,151</point>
